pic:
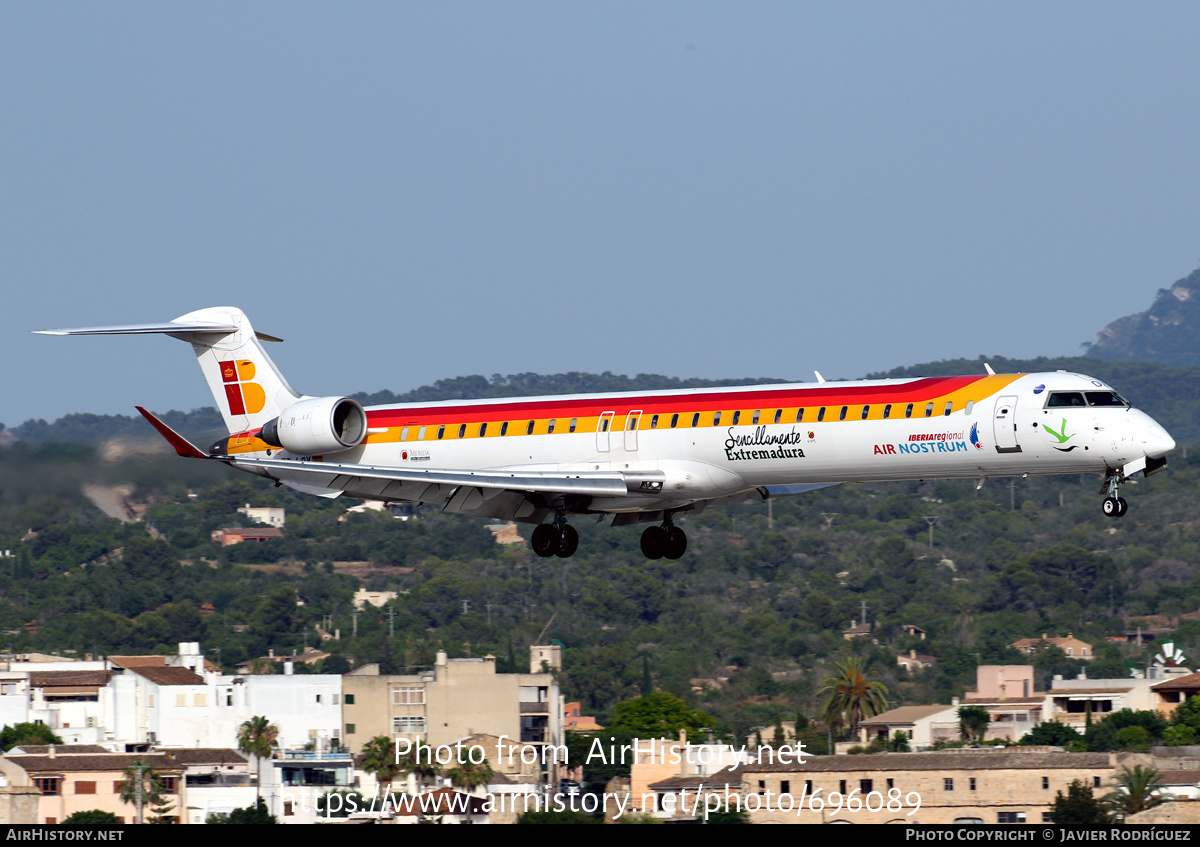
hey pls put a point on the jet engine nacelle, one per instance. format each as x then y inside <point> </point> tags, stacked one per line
<point>317,425</point>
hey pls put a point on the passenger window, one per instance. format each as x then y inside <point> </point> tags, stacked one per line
<point>674,420</point>
<point>529,429</point>
<point>550,427</point>
<point>482,430</point>
<point>462,431</point>
<point>799,416</point>
<point>404,434</point>
<point>654,422</point>
<point>604,425</point>
<point>504,428</point>
<point>821,414</point>
<point>908,410</point>
<point>441,431</point>
<point>928,410</point>
<point>778,415</point>
<point>949,407</point>
<point>887,411</point>
<point>574,423</point>
<point>696,419</point>
<point>421,434</point>
<point>754,419</point>
<point>842,414</point>
<point>736,417</point>
<point>632,425</point>
<point>716,418</point>
<point>866,411</point>
<point>970,406</point>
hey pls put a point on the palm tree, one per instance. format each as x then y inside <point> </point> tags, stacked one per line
<point>418,761</point>
<point>379,758</point>
<point>1135,790</point>
<point>470,775</point>
<point>973,722</point>
<point>143,787</point>
<point>257,737</point>
<point>851,695</point>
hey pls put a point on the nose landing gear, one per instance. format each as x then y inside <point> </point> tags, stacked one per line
<point>666,541</point>
<point>1114,506</point>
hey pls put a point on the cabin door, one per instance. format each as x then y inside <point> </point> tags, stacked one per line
<point>603,432</point>
<point>1004,425</point>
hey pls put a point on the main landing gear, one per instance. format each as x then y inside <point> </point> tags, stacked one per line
<point>555,539</point>
<point>1113,506</point>
<point>666,541</point>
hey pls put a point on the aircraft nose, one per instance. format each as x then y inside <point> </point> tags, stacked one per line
<point>1156,441</point>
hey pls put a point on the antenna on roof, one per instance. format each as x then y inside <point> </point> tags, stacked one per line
<point>988,368</point>
<point>819,377</point>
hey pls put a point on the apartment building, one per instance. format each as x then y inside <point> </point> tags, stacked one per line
<point>994,786</point>
<point>453,699</point>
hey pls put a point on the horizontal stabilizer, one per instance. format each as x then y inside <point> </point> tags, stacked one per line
<point>182,446</point>
<point>143,329</point>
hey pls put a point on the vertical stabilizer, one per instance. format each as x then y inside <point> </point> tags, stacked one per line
<point>247,387</point>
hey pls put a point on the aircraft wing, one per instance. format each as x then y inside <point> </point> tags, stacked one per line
<point>339,476</point>
<point>331,478</point>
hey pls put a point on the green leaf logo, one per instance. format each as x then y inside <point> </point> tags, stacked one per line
<point>1061,435</point>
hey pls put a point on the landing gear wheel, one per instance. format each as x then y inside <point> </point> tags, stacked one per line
<point>568,542</point>
<point>1115,507</point>
<point>545,540</point>
<point>654,542</point>
<point>676,543</point>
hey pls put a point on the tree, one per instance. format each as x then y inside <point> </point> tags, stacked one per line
<point>660,715</point>
<point>379,758</point>
<point>1179,735</point>
<point>27,733</point>
<point>1187,714</point>
<point>1078,807</point>
<point>1135,790</point>
<point>143,787</point>
<point>898,743</point>
<point>256,814</point>
<point>419,761</point>
<point>850,695</point>
<point>1133,738</point>
<point>973,722</point>
<point>92,817</point>
<point>470,775</point>
<point>257,737</point>
<point>1051,734</point>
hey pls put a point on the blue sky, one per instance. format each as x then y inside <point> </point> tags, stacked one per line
<point>411,191</point>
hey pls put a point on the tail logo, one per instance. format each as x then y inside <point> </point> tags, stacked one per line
<point>244,397</point>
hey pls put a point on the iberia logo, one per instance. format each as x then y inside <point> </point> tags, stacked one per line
<point>244,397</point>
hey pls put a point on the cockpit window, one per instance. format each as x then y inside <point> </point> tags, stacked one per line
<point>1105,398</point>
<point>1065,398</point>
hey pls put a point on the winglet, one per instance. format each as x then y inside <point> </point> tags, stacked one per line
<point>182,446</point>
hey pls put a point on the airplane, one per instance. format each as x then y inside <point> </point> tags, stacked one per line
<point>649,456</point>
